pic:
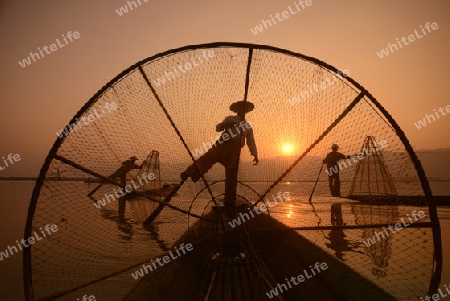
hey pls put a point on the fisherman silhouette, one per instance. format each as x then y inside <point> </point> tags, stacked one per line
<point>126,167</point>
<point>236,131</point>
<point>331,160</point>
<point>121,173</point>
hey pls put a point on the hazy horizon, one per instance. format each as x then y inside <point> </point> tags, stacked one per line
<point>94,43</point>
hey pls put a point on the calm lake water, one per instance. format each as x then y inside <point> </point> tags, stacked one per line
<point>14,206</point>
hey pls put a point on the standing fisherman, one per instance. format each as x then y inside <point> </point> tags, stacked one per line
<point>236,131</point>
<point>331,161</point>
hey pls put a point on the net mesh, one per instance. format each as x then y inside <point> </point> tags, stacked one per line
<point>101,240</point>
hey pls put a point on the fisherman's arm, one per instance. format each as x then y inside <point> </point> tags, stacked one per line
<point>343,157</point>
<point>220,127</point>
<point>251,144</point>
<point>326,159</point>
<point>351,156</point>
<point>227,122</point>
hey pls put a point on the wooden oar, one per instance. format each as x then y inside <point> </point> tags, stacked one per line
<point>314,188</point>
<point>161,206</point>
<point>95,189</point>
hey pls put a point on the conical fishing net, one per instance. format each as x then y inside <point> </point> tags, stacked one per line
<point>164,110</point>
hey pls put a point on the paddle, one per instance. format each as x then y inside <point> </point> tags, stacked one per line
<point>95,189</point>
<point>315,184</point>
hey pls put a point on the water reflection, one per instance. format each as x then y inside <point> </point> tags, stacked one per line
<point>381,251</point>
<point>124,225</point>
<point>338,242</point>
<point>341,226</point>
<point>129,222</point>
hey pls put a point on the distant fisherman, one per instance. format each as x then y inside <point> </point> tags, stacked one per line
<point>331,161</point>
<point>126,167</point>
<point>121,173</point>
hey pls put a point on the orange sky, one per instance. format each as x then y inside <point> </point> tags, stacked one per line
<point>40,99</point>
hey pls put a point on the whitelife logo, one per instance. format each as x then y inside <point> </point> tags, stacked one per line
<point>31,240</point>
<point>124,9</point>
<point>53,47</point>
<point>435,297</point>
<point>318,87</point>
<point>120,192</point>
<point>16,158</point>
<point>411,38</point>
<point>284,15</point>
<point>423,122</point>
<point>187,66</point>
<point>355,158</point>
<point>221,139</point>
<point>282,196</point>
<point>166,259</point>
<point>87,119</point>
<point>86,298</point>
<point>280,286</point>
<point>397,226</point>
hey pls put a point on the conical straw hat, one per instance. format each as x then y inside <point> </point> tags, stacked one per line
<point>239,106</point>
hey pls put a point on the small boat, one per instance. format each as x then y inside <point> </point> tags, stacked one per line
<point>164,191</point>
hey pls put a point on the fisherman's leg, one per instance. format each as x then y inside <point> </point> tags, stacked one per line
<point>230,185</point>
<point>231,164</point>
<point>117,174</point>
<point>123,180</point>
<point>330,183</point>
<point>337,185</point>
<point>122,207</point>
<point>122,200</point>
<point>204,163</point>
<point>112,176</point>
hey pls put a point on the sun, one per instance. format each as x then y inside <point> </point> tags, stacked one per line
<point>287,149</point>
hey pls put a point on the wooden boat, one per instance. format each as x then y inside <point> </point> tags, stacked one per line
<point>157,192</point>
<point>250,261</point>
